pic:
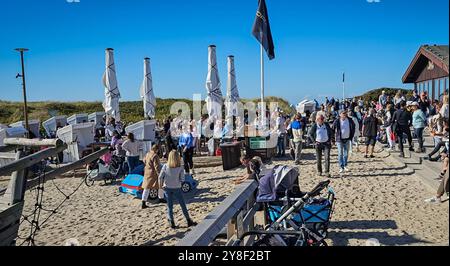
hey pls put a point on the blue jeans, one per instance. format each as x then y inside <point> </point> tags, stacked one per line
<point>177,194</point>
<point>280,145</point>
<point>343,149</point>
<point>133,162</point>
<point>419,135</point>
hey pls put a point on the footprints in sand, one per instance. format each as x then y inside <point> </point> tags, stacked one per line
<point>377,199</point>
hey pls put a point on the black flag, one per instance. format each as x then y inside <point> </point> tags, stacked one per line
<point>261,29</point>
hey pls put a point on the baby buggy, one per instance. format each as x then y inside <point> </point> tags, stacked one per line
<point>294,218</point>
<point>105,171</point>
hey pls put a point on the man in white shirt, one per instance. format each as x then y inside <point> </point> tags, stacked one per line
<point>321,134</point>
<point>344,132</point>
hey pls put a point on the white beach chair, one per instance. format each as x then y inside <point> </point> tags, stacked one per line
<point>52,125</point>
<point>97,119</point>
<point>78,119</point>
<point>34,125</point>
<point>78,138</point>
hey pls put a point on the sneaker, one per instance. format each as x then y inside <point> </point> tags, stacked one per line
<point>320,174</point>
<point>144,205</point>
<point>411,148</point>
<point>346,169</point>
<point>433,200</point>
<point>341,171</point>
<point>161,201</point>
<point>191,223</point>
<point>372,156</point>
<point>172,225</point>
<point>434,159</point>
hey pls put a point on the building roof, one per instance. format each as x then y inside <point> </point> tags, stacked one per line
<point>437,54</point>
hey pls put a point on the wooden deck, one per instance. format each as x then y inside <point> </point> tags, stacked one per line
<point>236,214</point>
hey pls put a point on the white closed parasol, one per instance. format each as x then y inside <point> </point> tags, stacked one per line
<point>147,94</point>
<point>112,93</point>
<point>232,90</point>
<point>214,100</point>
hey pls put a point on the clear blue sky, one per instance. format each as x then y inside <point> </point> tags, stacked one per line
<point>315,42</point>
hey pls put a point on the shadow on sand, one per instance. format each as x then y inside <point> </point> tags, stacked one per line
<point>358,227</point>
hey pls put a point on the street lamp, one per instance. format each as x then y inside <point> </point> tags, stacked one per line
<point>25,109</point>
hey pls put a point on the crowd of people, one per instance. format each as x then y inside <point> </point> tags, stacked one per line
<point>166,178</point>
<point>393,120</point>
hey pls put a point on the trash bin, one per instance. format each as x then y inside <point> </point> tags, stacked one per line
<point>262,147</point>
<point>231,155</point>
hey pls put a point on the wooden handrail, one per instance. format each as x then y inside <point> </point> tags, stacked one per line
<point>30,160</point>
<point>205,233</point>
<point>70,167</point>
<point>33,142</point>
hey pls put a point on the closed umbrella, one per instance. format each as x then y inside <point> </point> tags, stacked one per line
<point>147,93</point>
<point>112,93</point>
<point>232,90</point>
<point>214,99</point>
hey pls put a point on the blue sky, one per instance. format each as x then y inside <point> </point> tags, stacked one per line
<point>315,42</point>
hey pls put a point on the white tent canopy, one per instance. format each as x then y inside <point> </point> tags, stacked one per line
<point>232,90</point>
<point>214,100</point>
<point>306,105</point>
<point>147,93</point>
<point>112,93</point>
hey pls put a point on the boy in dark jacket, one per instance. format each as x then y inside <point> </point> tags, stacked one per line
<point>401,123</point>
<point>370,132</point>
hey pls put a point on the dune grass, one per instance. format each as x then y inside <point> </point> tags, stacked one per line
<point>131,112</point>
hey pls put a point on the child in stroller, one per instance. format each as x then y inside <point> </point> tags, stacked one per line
<point>108,169</point>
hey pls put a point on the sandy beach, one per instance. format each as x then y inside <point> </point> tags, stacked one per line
<point>379,198</point>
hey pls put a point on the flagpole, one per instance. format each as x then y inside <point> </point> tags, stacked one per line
<point>262,115</point>
<point>343,87</point>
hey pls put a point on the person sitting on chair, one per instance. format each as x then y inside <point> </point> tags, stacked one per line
<point>251,164</point>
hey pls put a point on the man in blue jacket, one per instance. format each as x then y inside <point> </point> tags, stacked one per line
<point>186,147</point>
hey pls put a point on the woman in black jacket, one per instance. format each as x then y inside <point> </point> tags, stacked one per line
<point>370,132</point>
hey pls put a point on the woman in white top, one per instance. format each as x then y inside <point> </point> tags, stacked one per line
<point>132,148</point>
<point>171,179</point>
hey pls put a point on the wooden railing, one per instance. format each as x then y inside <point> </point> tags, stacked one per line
<point>12,199</point>
<point>238,214</point>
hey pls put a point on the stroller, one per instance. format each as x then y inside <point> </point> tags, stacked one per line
<point>295,218</point>
<point>107,172</point>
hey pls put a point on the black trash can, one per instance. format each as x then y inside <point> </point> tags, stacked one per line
<point>231,155</point>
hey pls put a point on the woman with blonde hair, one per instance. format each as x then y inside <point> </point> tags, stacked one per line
<point>151,173</point>
<point>171,178</point>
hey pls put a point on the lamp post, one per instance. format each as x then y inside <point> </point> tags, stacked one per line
<point>25,109</point>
